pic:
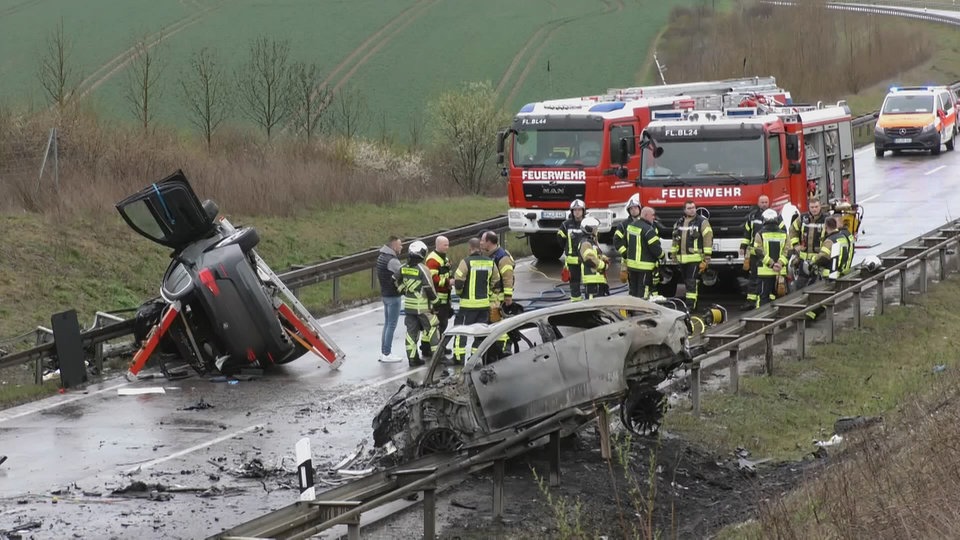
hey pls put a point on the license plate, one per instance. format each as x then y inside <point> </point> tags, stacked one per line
<point>554,214</point>
<point>902,141</point>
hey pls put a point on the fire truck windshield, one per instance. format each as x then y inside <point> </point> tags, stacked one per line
<point>705,161</point>
<point>557,148</point>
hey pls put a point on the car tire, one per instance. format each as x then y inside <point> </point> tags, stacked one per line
<point>953,137</point>
<point>935,151</point>
<point>878,151</point>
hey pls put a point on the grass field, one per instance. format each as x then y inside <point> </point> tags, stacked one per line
<point>399,54</point>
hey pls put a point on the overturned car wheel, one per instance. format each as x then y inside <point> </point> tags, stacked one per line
<point>641,410</point>
<point>439,440</point>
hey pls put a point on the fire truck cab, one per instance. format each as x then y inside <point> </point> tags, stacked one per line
<point>560,150</point>
<point>724,152</point>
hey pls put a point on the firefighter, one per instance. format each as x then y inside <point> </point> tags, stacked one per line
<point>836,252</point>
<point>632,208</point>
<point>502,294</point>
<point>770,245</point>
<point>751,226</point>
<point>416,286</point>
<point>594,265</point>
<point>439,267</point>
<point>806,235</point>
<point>569,235</point>
<point>692,248</point>
<point>641,252</point>
<point>474,281</point>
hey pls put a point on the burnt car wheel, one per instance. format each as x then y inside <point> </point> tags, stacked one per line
<point>641,411</point>
<point>439,440</point>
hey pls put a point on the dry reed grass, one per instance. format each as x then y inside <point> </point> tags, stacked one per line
<point>816,53</point>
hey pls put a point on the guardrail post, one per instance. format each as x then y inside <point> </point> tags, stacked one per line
<point>332,509</point>
<point>498,466</point>
<point>903,286</point>
<point>881,285</point>
<point>603,427</point>
<point>923,275</point>
<point>336,290</point>
<point>38,363</point>
<point>373,278</point>
<point>554,450</point>
<point>856,309</point>
<point>831,322</point>
<point>943,263</point>
<point>768,353</point>
<point>695,388</point>
<point>734,370</point>
<point>430,512</point>
<point>801,338</point>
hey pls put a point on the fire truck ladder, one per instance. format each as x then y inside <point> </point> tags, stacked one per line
<point>746,84</point>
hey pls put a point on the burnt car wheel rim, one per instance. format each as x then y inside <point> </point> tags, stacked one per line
<point>642,412</point>
<point>440,441</point>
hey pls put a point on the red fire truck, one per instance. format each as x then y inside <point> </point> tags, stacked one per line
<point>723,152</point>
<point>566,149</point>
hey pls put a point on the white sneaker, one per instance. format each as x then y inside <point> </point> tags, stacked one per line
<point>390,358</point>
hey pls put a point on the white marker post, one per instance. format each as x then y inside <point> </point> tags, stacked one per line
<point>305,469</point>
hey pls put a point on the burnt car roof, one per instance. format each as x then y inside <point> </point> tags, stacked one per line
<point>618,302</point>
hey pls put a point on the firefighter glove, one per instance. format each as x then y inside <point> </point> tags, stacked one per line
<point>623,275</point>
<point>704,265</point>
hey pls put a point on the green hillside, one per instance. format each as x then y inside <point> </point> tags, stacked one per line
<point>398,53</point>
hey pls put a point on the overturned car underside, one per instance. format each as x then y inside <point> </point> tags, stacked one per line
<point>611,350</point>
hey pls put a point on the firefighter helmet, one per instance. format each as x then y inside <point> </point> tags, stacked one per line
<point>872,263</point>
<point>577,203</point>
<point>590,225</point>
<point>769,215</point>
<point>511,310</point>
<point>417,249</point>
<point>634,201</point>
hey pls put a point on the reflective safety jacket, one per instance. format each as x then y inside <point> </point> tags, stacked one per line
<point>593,265</point>
<point>416,287</point>
<point>474,279</point>
<point>504,263</point>
<point>836,254</point>
<point>692,239</point>
<point>440,274</point>
<point>570,236</point>
<point>751,227</point>
<point>640,245</point>
<point>770,246</point>
<point>807,234</point>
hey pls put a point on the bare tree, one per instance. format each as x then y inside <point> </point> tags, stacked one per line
<point>263,82</point>
<point>143,81</point>
<point>415,131</point>
<point>204,93</point>
<point>349,112</point>
<point>309,104</point>
<point>465,127</point>
<point>56,74</point>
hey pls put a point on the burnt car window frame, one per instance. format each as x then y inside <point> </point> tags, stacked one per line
<point>555,328</point>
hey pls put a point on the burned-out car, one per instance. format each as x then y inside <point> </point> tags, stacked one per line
<point>612,350</point>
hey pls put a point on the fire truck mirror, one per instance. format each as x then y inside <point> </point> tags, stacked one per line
<point>501,135</point>
<point>624,152</point>
<point>793,147</point>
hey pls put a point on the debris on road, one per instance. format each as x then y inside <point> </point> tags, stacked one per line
<point>140,391</point>
<point>832,441</point>
<point>14,533</point>
<point>201,405</point>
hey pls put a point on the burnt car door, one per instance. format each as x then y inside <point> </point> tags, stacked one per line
<point>592,346</point>
<point>167,212</point>
<point>521,386</point>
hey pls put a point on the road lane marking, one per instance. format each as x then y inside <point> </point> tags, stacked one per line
<point>931,171</point>
<point>32,410</point>
<point>870,198</point>
<point>194,448</point>
<point>354,316</point>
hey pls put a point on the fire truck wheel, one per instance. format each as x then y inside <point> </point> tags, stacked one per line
<point>545,246</point>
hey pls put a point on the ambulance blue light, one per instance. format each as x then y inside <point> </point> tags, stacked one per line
<point>607,107</point>
<point>527,108</point>
<point>745,112</point>
<point>894,89</point>
<point>658,115</point>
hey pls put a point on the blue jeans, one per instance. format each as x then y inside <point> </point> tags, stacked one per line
<point>391,315</point>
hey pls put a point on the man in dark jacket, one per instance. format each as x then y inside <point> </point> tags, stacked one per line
<point>388,264</point>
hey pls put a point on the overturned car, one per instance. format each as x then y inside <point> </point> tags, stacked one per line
<point>525,368</point>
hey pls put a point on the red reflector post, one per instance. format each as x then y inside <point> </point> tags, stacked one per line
<point>209,281</point>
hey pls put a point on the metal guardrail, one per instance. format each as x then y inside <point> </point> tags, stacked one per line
<point>344,505</point>
<point>766,322</point>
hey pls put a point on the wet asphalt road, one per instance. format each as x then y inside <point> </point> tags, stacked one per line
<point>96,441</point>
